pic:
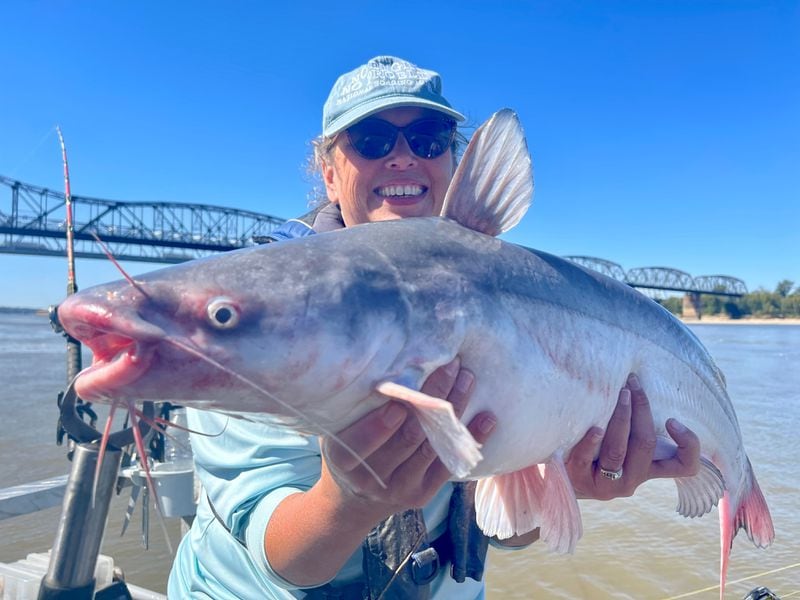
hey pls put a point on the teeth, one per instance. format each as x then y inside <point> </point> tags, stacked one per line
<point>400,190</point>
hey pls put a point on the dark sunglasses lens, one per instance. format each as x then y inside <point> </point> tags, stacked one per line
<point>373,139</point>
<point>430,138</point>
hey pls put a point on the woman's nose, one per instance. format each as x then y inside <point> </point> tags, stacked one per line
<point>401,156</point>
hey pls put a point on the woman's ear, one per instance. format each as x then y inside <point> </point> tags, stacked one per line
<point>330,180</point>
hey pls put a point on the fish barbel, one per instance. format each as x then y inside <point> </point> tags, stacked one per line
<point>320,330</point>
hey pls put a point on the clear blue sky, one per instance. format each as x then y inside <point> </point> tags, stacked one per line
<point>663,133</point>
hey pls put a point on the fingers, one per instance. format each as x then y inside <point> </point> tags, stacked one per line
<point>452,383</point>
<point>582,455</point>
<point>625,448</point>
<point>409,444</point>
<point>615,443</point>
<point>642,443</point>
<point>629,444</point>
<point>395,447</point>
<point>424,458</point>
<point>365,436</point>
<point>686,461</point>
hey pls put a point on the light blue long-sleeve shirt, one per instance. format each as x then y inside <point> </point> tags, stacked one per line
<point>247,471</point>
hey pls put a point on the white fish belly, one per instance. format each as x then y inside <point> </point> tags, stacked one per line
<point>549,381</point>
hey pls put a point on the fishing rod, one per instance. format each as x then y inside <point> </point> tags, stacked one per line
<point>70,572</point>
<point>71,286</point>
<point>74,359</point>
<point>74,363</point>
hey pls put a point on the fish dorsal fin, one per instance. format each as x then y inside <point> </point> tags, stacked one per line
<point>492,187</point>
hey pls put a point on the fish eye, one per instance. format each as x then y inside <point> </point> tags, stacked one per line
<point>223,313</point>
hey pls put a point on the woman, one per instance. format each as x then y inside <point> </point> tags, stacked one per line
<point>287,515</point>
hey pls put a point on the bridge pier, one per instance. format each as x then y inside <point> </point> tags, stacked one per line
<point>691,306</point>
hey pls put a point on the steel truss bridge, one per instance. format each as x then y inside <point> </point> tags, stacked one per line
<point>665,278</point>
<point>32,221</point>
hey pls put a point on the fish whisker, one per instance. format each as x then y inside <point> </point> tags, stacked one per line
<point>102,451</point>
<point>296,412</point>
<point>114,261</point>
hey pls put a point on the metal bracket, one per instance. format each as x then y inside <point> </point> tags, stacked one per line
<point>75,426</point>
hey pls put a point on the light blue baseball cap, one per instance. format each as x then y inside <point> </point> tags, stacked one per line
<point>384,82</point>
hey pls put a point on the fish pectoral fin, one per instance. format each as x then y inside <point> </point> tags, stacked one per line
<point>492,187</point>
<point>698,494</point>
<point>537,496</point>
<point>451,440</point>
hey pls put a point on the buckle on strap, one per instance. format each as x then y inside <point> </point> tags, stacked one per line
<point>424,566</point>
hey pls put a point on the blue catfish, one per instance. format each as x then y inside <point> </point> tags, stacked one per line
<point>318,331</point>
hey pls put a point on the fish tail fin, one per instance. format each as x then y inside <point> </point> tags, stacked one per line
<point>448,436</point>
<point>537,496</point>
<point>752,515</point>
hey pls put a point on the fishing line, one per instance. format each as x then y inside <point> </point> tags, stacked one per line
<point>47,134</point>
<point>716,587</point>
<point>400,567</point>
<point>114,261</point>
<point>196,352</point>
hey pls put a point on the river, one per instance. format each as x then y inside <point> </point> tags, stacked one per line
<point>632,548</point>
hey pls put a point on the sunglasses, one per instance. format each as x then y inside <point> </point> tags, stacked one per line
<point>428,138</point>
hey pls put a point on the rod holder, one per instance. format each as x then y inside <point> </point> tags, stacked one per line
<point>70,573</point>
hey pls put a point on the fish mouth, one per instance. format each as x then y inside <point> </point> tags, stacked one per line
<point>122,346</point>
<point>109,373</point>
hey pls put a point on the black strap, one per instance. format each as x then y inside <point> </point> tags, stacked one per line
<point>467,543</point>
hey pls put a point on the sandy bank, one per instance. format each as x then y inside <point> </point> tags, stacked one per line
<point>719,320</point>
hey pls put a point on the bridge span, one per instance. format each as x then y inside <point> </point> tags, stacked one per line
<point>32,222</point>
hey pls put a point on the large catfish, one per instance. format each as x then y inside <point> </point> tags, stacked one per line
<point>320,330</point>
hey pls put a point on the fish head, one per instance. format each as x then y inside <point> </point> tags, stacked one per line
<point>241,331</point>
<point>154,337</point>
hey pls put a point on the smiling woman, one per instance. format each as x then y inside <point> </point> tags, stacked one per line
<point>381,179</point>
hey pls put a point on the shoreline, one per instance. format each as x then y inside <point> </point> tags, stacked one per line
<point>720,320</point>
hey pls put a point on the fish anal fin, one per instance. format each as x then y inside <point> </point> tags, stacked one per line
<point>490,199</point>
<point>451,440</point>
<point>510,504</point>
<point>561,518</point>
<point>699,493</point>
<point>537,496</point>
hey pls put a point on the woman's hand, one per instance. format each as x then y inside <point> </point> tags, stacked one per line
<point>311,534</point>
<point>627,449</point>
<point>391,441</point>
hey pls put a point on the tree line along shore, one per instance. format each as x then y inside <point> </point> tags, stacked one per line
<point>781,305</point>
